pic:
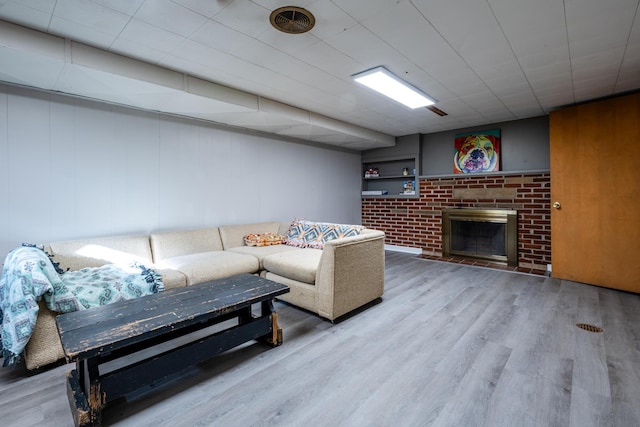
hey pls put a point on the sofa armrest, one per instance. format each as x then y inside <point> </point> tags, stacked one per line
<point>350,274</point>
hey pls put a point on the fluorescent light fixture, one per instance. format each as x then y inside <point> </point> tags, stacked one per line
<point>382,80</point>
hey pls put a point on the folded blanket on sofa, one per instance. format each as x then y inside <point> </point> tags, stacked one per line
<point>29,275</point>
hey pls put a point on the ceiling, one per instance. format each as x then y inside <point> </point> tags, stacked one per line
<point>484,61</point>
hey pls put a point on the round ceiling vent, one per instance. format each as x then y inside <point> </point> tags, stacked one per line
<point>292,19</point>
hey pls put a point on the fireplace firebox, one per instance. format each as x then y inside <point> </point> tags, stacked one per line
<point>486,234</point>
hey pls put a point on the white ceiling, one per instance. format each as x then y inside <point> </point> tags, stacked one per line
<point>484,61</point>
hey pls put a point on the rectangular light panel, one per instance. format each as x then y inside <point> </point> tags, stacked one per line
<point>383,81</point>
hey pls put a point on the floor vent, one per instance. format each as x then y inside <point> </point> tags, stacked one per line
<point>590,328</point>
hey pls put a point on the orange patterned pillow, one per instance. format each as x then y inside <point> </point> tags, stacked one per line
<point>264,239</point>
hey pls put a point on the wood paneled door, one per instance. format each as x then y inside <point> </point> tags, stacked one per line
<point>595,193</point>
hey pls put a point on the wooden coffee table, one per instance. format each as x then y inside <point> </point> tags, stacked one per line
<point>102,334</point>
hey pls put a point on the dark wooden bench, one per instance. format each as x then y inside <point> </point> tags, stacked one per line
<point>102,334</point>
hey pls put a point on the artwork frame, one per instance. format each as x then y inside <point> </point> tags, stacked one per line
<point>477,152</point>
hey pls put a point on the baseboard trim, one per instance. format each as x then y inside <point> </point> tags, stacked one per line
<point>406,249</point>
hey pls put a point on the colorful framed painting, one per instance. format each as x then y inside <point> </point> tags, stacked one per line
<point>477,152</point>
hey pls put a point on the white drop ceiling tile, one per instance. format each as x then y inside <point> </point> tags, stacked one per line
<point>485,103</point>
<point>533,27</point>
<point>613,54</point>
<point>328,59</point>
<point>518,96</point>
<point>519,103</point>
<point>289,43</point>
<point>561,85</point>
<point>25,15</point>
<point>206,8</point>
<point>507,83</point>
<point>290,68</point>
<point>200,54</point>
<point>330,19</point>
<point>171,17</point>
<point>246,17</point>
<point>455,104</point>
<point>287,68</point>
<point>628,81</point>
<point>607,62</point>
<point>593,90</point>
<point>143,34</point>
<point>255,51</point>
<point>83,33</point>
<point>598,85</point>
<point>469,27</point>
<point>552,99</point>
<point>631,59</point>
<point>598,25</point>
<point>128,7</point>
<point>433,55</point>
<point>463,82</point>
<point>555,100</point>
<point>89,16</point>
<point>45,6</point>
<point>362,10</point>
<point>550,77</point>
<point>363,47</point>
<point>458,79</point>
<point>385,25</point>
<point>274,4</point>
<point>218,36</point>
<point>504,76</point>
<point>274,86</point>
<point>422,47</point>
<point>552,57</point>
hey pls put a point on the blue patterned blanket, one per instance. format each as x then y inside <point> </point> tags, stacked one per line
<point>28,275</point>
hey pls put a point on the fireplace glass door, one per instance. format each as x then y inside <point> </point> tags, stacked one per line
<point>478,238</point>
<point>488,234</point>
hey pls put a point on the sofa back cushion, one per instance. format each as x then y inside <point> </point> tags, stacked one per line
<point>308,234</point>
<point>178,243</point>
<point>232,236</point>
<point>77,254</point>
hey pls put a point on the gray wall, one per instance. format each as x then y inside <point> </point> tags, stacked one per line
<point>72,168</point>
<point>524,146</point>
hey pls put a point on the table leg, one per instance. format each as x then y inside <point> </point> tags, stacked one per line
<point>244,315</point>
<point>275,338</point>
<point>83,391</point>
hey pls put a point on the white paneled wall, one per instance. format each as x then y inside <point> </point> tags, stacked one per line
<point>73,168</point>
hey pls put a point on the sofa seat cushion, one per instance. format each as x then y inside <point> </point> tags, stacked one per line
<point>300,264</point>
<point>206,266</point>
<point>262,251</point>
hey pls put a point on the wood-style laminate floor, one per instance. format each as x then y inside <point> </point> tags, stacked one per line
<point>449,345</point>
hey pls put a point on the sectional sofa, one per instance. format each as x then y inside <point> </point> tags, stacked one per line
<point>347,273</point>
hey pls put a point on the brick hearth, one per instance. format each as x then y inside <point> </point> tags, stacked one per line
<point>418,222</point>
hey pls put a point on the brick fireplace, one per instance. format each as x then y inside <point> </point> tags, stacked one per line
<point>417,222</point>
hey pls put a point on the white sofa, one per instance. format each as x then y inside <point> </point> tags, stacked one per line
<point>346,274</point>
